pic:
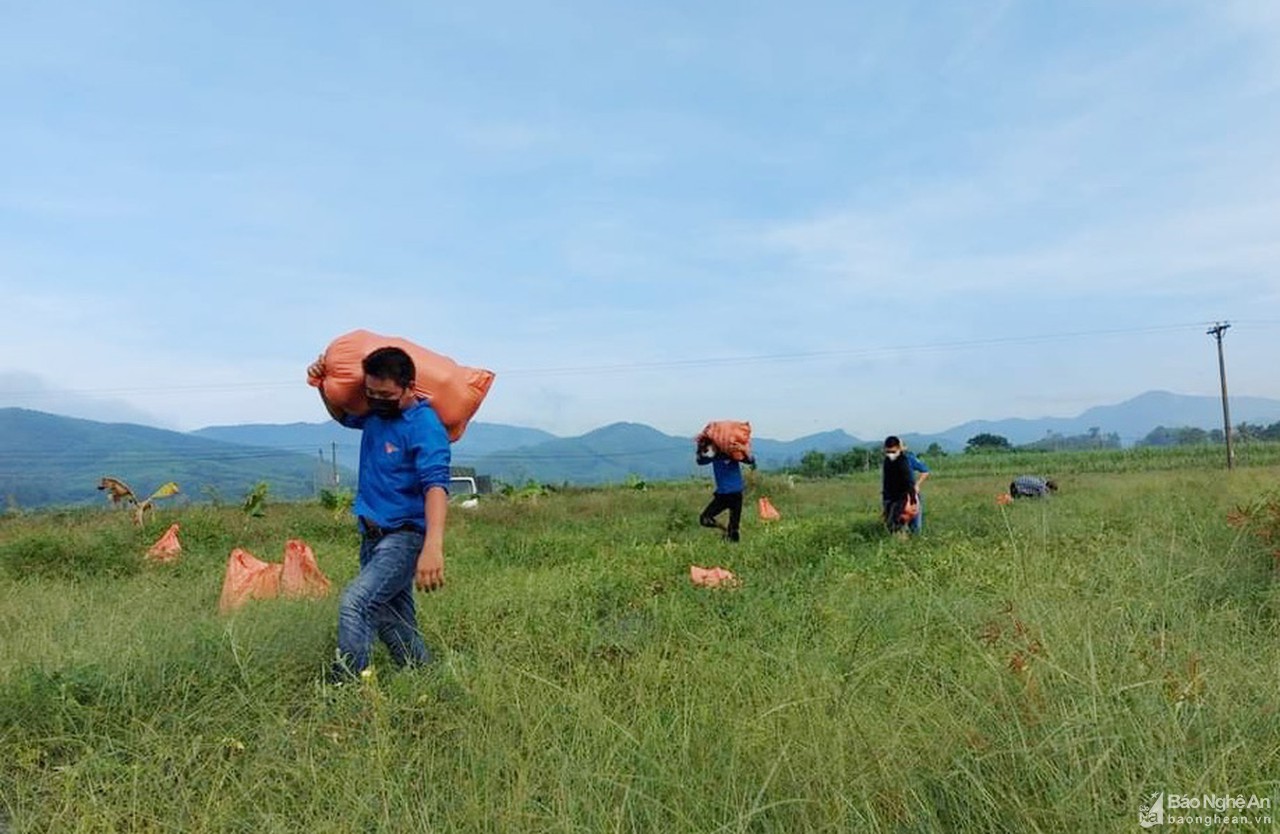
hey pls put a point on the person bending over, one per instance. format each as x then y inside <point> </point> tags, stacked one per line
<point>1029,486</point>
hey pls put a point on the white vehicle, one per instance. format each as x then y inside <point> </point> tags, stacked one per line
<point>463,492</point>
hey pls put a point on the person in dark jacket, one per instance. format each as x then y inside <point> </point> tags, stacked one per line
<point>902,475</point>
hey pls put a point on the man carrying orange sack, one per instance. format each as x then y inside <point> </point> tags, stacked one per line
<point>401,503</point>
<point>729,487</point>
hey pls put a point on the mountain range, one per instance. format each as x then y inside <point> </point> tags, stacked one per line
<point>49,459</point>
<point>1132,419</point>
<point>615,452</point>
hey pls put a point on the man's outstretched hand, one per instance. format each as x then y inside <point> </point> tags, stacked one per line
<point>430,572</point>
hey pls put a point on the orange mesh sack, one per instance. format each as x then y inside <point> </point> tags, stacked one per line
<point>729,436</point>
<point>454,391</point>
<point>248,577</point>
<point>910,509</point>
<point>301,576</point>
<point>167,548</point>
<point>767,511</point>
<point>712,577</point>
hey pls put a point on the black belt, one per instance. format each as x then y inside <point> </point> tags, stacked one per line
<point>375,531</point>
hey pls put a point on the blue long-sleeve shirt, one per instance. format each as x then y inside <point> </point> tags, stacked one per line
<point>400,459</point>
<point>727,472</point>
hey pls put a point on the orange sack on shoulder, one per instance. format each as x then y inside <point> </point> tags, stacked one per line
<point>732,437</point>
<point>454,391</point>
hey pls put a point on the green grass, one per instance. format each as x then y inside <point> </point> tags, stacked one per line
<point>1038,667</point>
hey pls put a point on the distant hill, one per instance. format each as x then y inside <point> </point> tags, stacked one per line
<point>484,439</point>
<point>615,452</point>
<point>323,438</point>
<point>46,459</point>
<point>1132,419</point>
<point>517,454</point>
<point>779,453</point>
<point>312,439</point>
<point>608,454</point>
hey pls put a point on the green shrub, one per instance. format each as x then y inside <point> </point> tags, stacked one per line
<point>73,554</point>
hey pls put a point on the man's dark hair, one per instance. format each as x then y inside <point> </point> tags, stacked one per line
<point>390,363</point>
<point>891,441</point>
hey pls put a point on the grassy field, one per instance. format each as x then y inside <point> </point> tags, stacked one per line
<point>1043,666</point>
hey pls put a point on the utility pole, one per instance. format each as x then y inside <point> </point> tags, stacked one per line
<point>335,461</point>
<point>1216,332</point>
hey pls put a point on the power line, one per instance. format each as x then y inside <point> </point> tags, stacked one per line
<point>851,352</point>
<point>695,362</point>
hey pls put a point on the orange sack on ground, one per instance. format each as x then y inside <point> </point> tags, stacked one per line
<point>454,391</point>
<point>732,437</point>
<point>301,576</point>
<point>248,577</point>
<point>167,548</point>
<point>711,577</point>
<point>767,511</point>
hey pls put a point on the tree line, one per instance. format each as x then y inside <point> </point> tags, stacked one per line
<point>1190,436</point>
<point>815,464</point>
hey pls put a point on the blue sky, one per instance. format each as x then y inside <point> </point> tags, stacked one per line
<point>882,217</point>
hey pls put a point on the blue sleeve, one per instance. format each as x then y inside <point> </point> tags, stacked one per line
<point>917,465</point>
<point>431,452</point>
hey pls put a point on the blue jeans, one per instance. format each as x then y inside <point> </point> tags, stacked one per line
<point>380,599</point>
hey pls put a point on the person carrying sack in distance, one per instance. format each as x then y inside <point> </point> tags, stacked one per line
<point>728,490</point>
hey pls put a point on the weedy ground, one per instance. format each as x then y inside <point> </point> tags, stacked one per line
<point>1042,666</point>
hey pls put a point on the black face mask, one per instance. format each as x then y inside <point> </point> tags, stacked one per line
<point>388,409</point>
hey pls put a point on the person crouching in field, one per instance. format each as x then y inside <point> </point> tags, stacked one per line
<point>1029,486</point>
<point>729,487</point>
<point>902,476</point>
<point>400,506</point>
